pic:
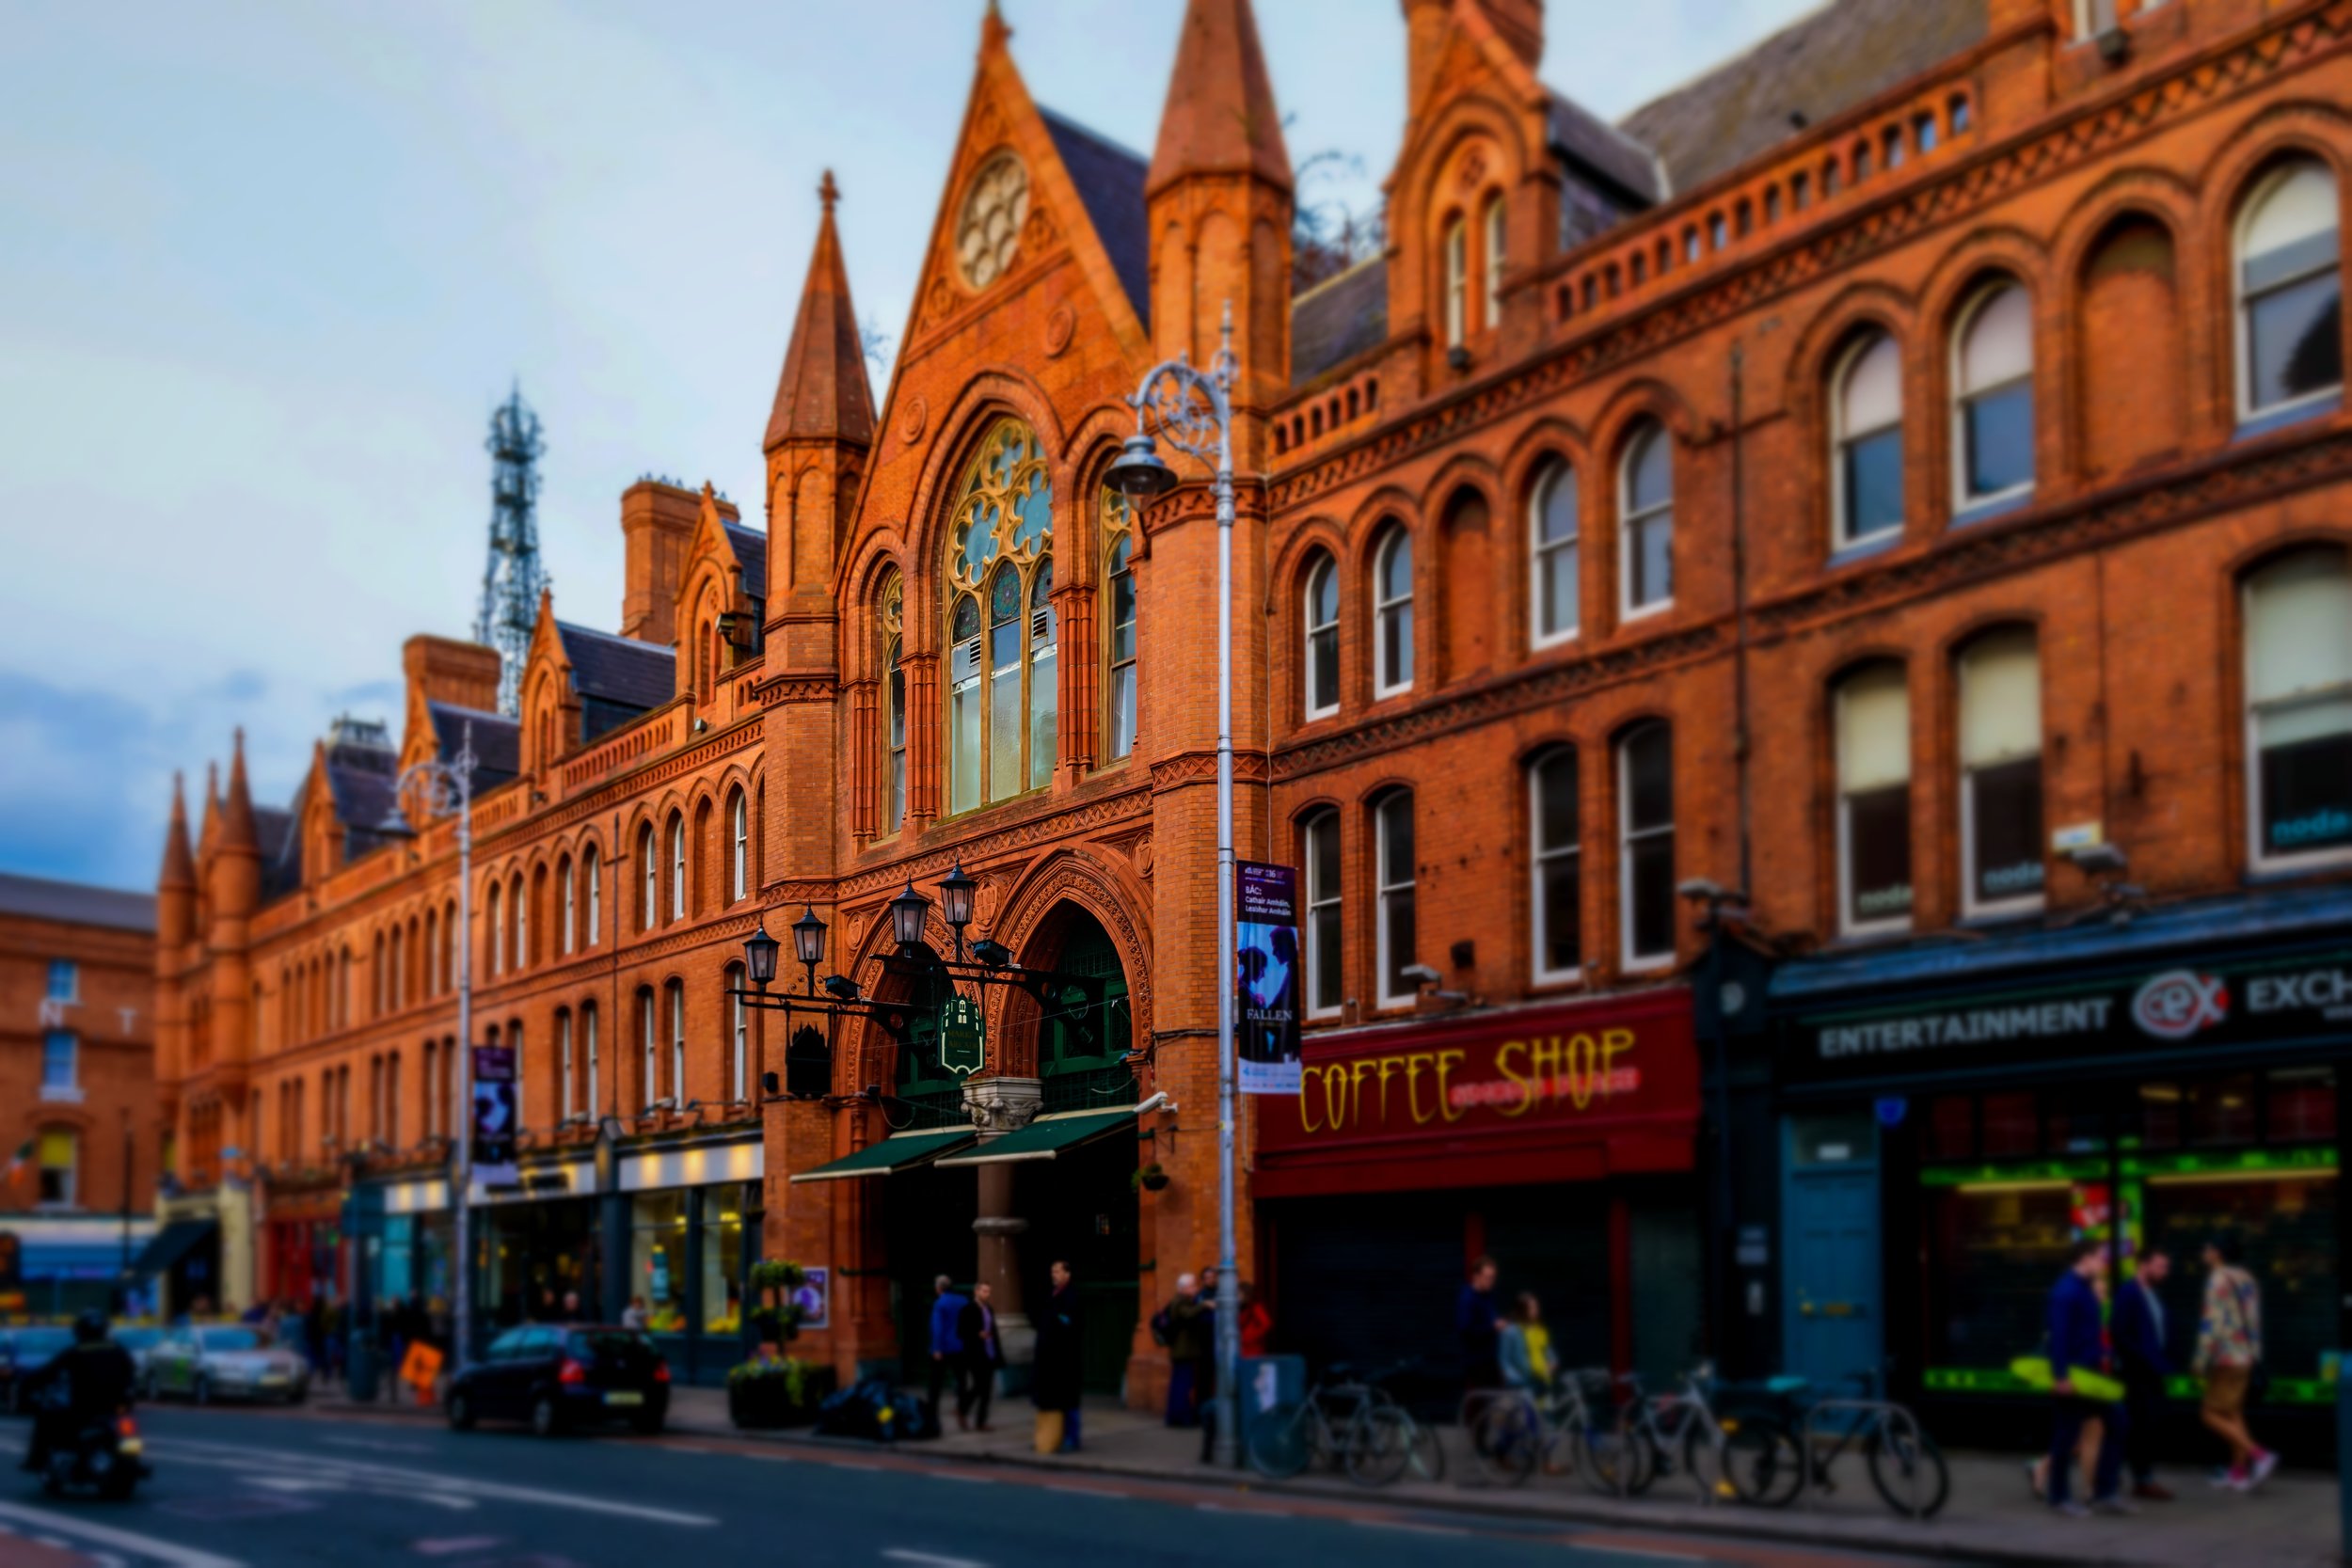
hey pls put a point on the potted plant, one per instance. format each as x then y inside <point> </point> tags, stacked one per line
<point>775,1391</point>
<point>776,1317</point>
<point>1150,1177</point>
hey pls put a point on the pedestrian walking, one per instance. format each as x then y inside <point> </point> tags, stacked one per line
<point>2136,1328</point>
<point>1478,1325</point>
<point>983,1354</point>
<point>1523,1351</point>
<point>2228,1351</point>
<point>1190,1330</point>
<point>1060,1376</point>
<point>633,1315</point>
<point>947,1304</point>
<point>2079,1344</point>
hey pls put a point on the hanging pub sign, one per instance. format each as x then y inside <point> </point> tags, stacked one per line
<point>962,1045</point>
<point>494,1116</point>
<point>1265,977</point>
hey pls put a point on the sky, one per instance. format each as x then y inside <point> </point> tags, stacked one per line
<point>270,263</point>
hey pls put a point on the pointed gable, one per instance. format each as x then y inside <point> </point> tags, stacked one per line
<point>823,394</point>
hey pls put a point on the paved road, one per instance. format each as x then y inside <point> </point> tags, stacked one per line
<point>264,1489</point>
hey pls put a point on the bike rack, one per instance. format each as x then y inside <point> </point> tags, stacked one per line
<point>1894,1419</point>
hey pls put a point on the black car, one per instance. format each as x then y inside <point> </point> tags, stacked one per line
<point>25,1350</point>
<point>560,1377</point>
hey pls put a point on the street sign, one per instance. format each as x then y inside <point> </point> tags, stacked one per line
<point>962,1046</point>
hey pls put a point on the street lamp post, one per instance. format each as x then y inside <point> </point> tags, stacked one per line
<point>446,788</point>
<point>1195,411</point>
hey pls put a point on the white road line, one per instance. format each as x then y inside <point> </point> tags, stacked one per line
<point>232,1456</point>
<point>929,1559</point>
<point>85,1531</point>
<point>373,1446</point>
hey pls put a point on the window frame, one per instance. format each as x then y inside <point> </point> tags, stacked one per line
<point>1385,885</point>
<point>678,867</point>
<point>1631,522</point>
<point>1971,906</point>
<point>1007,468</point>
<point>1629,960</point>
<point>739,1038</point>
<point>1324,568</point>
<point>678,1044</point>
<point>72,971</point>
<point>1493,235</point>
<point>1319,897</point>
<point>70,1194</point>
<point>567,888</point>
<point>1965,501</point>
<point>592,871</point>
<point>588,1055</point>
<point>649,869</point>
<point>2241,302</point>
<point>1453,270</point>
<point>498,928</point>
<point>1556,472</point>
<point>2300,860</point>
<point>567,1082</point>
<point>1119,562</point>
<point>70,1090</point>
<point>1841,536</point>
<point>649,1027</point>
<point>1539,857</point>
<point>1394,536</point>
<point>739,847</point>
<point>1849,925</point>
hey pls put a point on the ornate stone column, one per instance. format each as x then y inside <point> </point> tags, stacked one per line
<point>997,1107</point>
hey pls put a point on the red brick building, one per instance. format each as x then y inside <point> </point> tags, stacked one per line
<point>1900,456</point>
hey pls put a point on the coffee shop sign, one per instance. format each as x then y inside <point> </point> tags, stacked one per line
<point>1436,1086</point>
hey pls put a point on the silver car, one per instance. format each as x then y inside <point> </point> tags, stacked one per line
<point>225,1362</point>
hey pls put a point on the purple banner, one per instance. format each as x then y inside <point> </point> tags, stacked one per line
<point>1267,976</point>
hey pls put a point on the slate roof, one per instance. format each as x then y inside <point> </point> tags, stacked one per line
<point>618,668</point>
<point>1818,66</point>
<point>1605,151</point>
<point>497,741</point>
<point>751,548</point>
<point>76,903</point>
<point>1110,182</point>
<point>1338,319</point>
<point>281,849</point>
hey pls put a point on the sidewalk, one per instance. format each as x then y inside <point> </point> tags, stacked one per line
<point>1992,1517</point>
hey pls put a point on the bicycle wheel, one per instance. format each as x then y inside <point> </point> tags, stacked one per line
<point>1379,1446</point>
<point>1282,1441</point>
<point>1507,1441</point>
<point>1614,1461</point>
<point>1426,1459</point>
<point>1762,1462</point>
<point>1908,1469</point>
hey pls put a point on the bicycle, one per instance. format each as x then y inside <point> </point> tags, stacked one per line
<point>1515,1433</point>
<point>1347,1423</point>
<point>1749,1458</point>
<point>1906,1467</point>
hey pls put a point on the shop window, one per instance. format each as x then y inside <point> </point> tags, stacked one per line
<point>1952,1129</point>
<point>2012,1126</point>
<point>1646,846</point>
<point>2076,1123</point>
<point>2000,774</point>
<point>1557,854</point>
<point>2224,1113</point>
<point>1393,612</point>
<point>1867,440</point>
<point>1319,848</point>
<point>2299,689</point>
<point>592,872</point>
<point>2282,1213</point>
<point>1119,572</point>
<point>1874,801</point>
<point>60,1168</point>
<point>1322,650</point>
<point>1645,503</point>
<point>2300,1106</point>
<point>1553,575</point>
<point>1394,910</point>
<point>1993,403</point>
<point>658,1258</point>
<point>2159,1110</point>
<point>2290,294</point>
<point>1000,572</point>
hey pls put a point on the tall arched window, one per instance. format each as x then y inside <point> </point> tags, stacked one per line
<point>497,932</point>
<point>1394,909</point>
<point>1119,710</point>
<point>1873,713</point>
<point>677,1042</point>
<point>649,1069</point>
<point>1393,612</point>
<point>1493,235</point>
<point>1645,503</point>
<point>739,1038</point>
<point>1646,846</point>
<point>518,911</point>
<point>1551,541</point>
<point>1456,248</point>
<point>2000,774</point>
<point>1867,435</point>
<point>740,847</point>
<point>592,872</point>
<point>2290,293</point>
<point>678,867</point>
<point>593,1105</point>
<point>2298,708</point>
<point>1993,401</point>
<point>649,873</point>
<point>1557,855</point>
<point>1322,652</point>
<point>568,893</point>
<point>1319,848</point>
<point>432,980</point>
<point>1000,628</point>
<point>566,1078</point>
<point>895,695</point>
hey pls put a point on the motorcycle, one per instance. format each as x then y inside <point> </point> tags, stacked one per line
<point>106,1457</point>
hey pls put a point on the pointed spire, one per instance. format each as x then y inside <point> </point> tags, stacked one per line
<point>994,31</point>
<point>179,859</point>
<point>823,394</point>
<point>237,831</point>
<point>1221,116</point>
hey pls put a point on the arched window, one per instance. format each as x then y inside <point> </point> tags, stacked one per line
<point>1993,401</point>
<point>1493,236</point>
<point>567,895</point>
<point>1319,848</point>
<point>1646,846</point>
<point>566,1080</point>
<point>376,973</point>
<point>1393,612</point>
<point>592,872</point>
<point>1394,909</point>
<point>1322,653</point>
<point>677,1043</point>
<point>1866,436</point>
<point>1119,711</point>
<point>2298,710</point>
<point>1000,628</point>
<point>1456,248</point>
<point>1645,503</point>
<point>518,911</point>
<point>515,1044</point>
<point>894,694</point>
<point>1551,541</point>
<point>432,980</point>
<point>1873,713</point>
<point>497,933</point>
<point>1556,853</point>
<point>678,867</point>
<point>2290,293</point>
<point>650,872</point>
<point>594,1104</point>
<point>740,850</point>
<point>739,1038</point>
<point>649,1071</point>
<point>2000,774</point>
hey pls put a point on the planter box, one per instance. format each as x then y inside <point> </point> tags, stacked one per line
<point>759,1404</point>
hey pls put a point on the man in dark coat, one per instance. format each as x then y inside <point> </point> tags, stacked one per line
<point>2077,1344</point>
<point>1061,1370</point>
<point>2137,1327</point>
<point>983,1352</point>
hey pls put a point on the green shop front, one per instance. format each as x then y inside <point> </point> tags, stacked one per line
<point>1953,1117</point>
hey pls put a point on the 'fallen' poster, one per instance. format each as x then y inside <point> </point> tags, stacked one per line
<point>1266,978</point>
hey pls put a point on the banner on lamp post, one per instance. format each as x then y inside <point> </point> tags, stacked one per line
<point>495,1118</point>
<point>1267,976</point>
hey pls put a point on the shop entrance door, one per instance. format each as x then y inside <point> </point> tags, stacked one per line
<point>1832,1303</point>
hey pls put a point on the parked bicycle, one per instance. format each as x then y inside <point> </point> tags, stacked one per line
<point>1905,1466</point>
<point>1515,1434</point>
<point>1746,1458</point>
<point>1345,1423</point>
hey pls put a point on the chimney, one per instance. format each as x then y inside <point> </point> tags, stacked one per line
<point>456,674</point>
<point>657,529</point>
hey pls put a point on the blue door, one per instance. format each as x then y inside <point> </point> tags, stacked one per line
<point>1831,1303</point>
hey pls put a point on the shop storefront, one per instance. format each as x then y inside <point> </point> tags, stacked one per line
<point>1557,1139</point>
<point>301,1243</point>
<point>1953,1121</point>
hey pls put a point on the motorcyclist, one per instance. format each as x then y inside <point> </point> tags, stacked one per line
<point>95,1377</point>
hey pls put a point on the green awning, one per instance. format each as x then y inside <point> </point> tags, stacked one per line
<point>1047,1137</point>
<point>169,1245</point>
<point>899,1151</point>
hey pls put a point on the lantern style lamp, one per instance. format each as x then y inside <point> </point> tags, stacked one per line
<point>1140,474</point>
<point>759,956</point>
<point>909,911</point>
<point>954,897</point>
<point>808,943</point>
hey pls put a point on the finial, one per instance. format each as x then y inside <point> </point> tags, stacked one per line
<point>993,29</point>
<point>828,192</point>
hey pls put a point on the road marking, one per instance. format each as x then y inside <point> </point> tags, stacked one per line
<point>958,1475</point>
<point>457,1491</point>
<point>849,1464</point>
<point>929,1559</point>
<point>1403,1525</point>
<point>1650,1553</point>
<point>119,1540</point>
<point>451,1545</point>
<point>1081,1491</point>
<point>374,1446</point>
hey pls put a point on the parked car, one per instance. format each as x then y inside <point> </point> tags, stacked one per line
<point>23,1350</point>
<point>558,1377</point>
<point>137,1341</point>
<point>217,1361</point>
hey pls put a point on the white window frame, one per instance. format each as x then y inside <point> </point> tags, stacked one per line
<point>521,915</point>
<point>1385,882</point>
<point>497,929</point>
<point>1319,897</point>
<point>1539,857</point>
<point>1494,225</point>
<point>2306,860</point>
<point>2241,304</point>
<point>650,899</point>
<point>1841,534</point>
<point>567,1083</point>
<point>1964,498</point>
<point>677,867</point>
<point>1971,907</point>
<point>570,879</point>
<point>1396,537</point>
<point>1847,925</point>
<point>740,868</point>
<point>739,1034</point>
<point>649,1090</point>
<point>678,1044</point>
<point>588,1051</point>
<point>1455,249</point>
<point>592,872</point>
<point>1631,522</point>
<point>1540,550</point>
<point>1627,960</point>
<point>1327,568</point>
